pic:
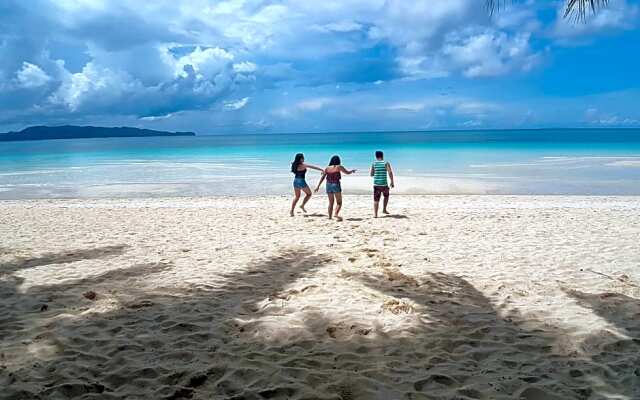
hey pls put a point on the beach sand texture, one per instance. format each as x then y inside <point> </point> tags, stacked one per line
<point>450,297</point>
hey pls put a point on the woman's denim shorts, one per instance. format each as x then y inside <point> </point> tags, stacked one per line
<point>334,187</point>
<point>300,183</point>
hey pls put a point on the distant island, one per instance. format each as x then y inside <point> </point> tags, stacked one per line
<point>82,132</point>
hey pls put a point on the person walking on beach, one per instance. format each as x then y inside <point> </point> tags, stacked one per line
<point>379,170</point>
<point>299,169</point>
<point>334,189</point>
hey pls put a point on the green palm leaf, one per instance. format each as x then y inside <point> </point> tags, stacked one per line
<point>575,9</point>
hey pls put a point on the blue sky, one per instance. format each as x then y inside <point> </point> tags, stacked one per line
<point>293,66</point>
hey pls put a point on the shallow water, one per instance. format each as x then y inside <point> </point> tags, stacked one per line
<point>585,162</point>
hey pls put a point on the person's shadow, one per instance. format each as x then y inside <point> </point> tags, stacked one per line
<point>314,215</point>
<point>395,216</point>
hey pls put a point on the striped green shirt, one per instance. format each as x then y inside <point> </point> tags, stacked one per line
<point>379,173</point>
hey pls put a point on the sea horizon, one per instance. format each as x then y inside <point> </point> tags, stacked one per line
<point>444,130</point>
<point>335,132</point>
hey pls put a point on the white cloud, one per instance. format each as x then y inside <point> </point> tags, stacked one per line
<point>478,109</point>
<point>95,84</point>
<point>490,53</point>
<point>422,67</point>
<point>474,53</point>
<point>593,116</point>
<point>472,123</point>
<point>199,78</point>
<point>413,26</point>
<point>157,117</point>
<point>339,26</point>
<point>298,108</point>
<point>152,64</point>
<point>314,104</point>
<point>405,107</point>
<point>80,5</point>
<point>245,67</point>
<point>283,112</point>
<point>206,63</point>
<point>520,17</point>
<point>441,106</point>
<point>31,76</point>
<point>236,105</point>
<point>616,16</point>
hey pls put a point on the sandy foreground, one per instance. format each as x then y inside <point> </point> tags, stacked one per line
<point>451,297</point>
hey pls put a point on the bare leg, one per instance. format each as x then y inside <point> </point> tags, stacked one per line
<point>338,206</point>
<point>296,196</point>
<point>375,208</point>
<point>384,205</point>
<point>331,199</point>
<point>307,196</point>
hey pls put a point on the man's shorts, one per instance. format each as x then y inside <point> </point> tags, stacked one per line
<point>380,191</point>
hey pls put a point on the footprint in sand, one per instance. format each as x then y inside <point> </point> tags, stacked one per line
<point>434,382</point>
<point>345,392</point>
<point>278,393</point>
<point>397,307</point>
<point>533,393</point>
<point>341,331</point>
<point>393,274</point>
<point>370,252</point>
<point>288,294</point>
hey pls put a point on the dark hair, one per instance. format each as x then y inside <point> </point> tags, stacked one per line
<point>335,160</point>
<point>296,162</point>
<point>379,154</point>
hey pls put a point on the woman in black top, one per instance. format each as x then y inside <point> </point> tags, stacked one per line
<point>299,169</point>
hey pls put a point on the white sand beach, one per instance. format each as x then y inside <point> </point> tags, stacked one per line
<point>450,297</point>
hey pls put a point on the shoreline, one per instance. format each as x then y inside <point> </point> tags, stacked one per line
<point>523,200</point>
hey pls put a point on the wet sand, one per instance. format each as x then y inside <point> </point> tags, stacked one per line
<point>465,297</point>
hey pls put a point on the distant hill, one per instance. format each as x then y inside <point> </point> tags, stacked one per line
<point>82,132</point>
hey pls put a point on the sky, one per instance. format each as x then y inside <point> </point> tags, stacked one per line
<point>251,66</point>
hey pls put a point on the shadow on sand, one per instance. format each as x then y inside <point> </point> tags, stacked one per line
<point>395,216</point>
<point>314,215</point>
<point>189,345</point>
<point>65,257</point>
<point>620,353</point>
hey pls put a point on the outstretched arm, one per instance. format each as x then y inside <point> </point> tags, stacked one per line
<point>312,167</point>
<point>390,171</point>
<point>320,182</point>
<point>346,171</point>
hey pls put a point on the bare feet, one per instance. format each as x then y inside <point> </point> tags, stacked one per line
<point>339,219</point>
<point>291,213</point>
<point>303,209</point>
<point>385,211</point>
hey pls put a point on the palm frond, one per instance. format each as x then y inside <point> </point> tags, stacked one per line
<point>575,9</point>
<point>578,9</point>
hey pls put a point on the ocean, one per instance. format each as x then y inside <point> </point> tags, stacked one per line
<point>544,162</point>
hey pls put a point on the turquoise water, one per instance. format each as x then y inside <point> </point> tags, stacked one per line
<point>602,162</point>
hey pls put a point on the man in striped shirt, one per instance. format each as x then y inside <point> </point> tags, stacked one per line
<point>379,170</point>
